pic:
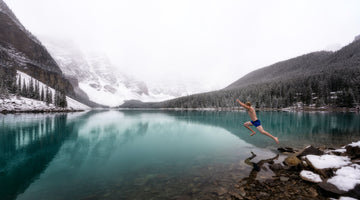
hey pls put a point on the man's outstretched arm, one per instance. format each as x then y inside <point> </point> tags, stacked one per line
<point>242,104</point>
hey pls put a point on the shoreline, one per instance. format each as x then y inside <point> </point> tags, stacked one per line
<point>39,111</point>
<point>304,109</point>
<point>307,110</point>
<point>290,182</point>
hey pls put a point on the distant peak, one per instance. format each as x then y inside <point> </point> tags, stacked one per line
<point>333,47</point>
<point>357,38</point>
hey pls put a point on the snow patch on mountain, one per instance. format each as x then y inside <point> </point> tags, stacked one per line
<point>71,103</point>
<point>102,81</point>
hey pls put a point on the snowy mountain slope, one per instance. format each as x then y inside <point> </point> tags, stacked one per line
<point>24,104</point>
<point>71,103</point>
<point>103,82</point>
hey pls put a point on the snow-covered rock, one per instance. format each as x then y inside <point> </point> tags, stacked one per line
<point>327,161</point>
<point>342,150</point>
<point>310,176</point>
<point>347,198</point>
<point>355,144</point>
<point>344,198</point>
<point>346,178</point>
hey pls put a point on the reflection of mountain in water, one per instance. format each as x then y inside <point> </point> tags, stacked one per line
<point>101,136</point>
<point>27,146</point>
<point>293,128</point>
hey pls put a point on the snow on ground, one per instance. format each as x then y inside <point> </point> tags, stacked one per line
<point>346,178</point>
<point>311,176</point>
<point>25,104</point>
<point>328,161</point>
<point>355,144</point>
<point>343,198</point>
<point>347,198</point>
<point>341,150</point>
<point>75,105</point>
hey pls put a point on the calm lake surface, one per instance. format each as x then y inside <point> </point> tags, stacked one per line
<point>149,154</point>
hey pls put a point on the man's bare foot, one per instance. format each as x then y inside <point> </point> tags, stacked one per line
<point>276,140</point>
<point>253,133</point>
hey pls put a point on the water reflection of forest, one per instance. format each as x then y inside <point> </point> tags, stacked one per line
<point>28,143</point>
<point>294,128</point>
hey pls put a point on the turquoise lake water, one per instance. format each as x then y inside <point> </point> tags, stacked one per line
<point>149,154</point>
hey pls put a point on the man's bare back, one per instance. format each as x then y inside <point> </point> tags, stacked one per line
<point>254,121</point>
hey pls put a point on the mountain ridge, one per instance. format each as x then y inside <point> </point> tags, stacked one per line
<point>318,79</point>
<point>273,71</point>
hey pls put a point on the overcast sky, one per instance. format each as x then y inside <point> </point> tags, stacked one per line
<point>213,42</point>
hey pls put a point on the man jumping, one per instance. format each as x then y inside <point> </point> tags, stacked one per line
<point>254,121</point>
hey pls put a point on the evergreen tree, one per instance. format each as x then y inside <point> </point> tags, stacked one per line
<point>31,92</point>
<point>62,99</point>
<point>4,93</point>
<point>57,98</point>
<point>18,90</point>
<point>42,94</point>
<point>13,84</point>
<point>49,98</point>
<point>37,90</point>
<point>24,90</point>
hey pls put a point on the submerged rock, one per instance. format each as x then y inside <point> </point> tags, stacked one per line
<point>221,191</point>
<point>276,167</point>
<point>262,195</point>
<point>284,179</point>
<point>237,194</point>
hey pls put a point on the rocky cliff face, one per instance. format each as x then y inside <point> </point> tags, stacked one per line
<point>17,40</point>
<point>21,50</point>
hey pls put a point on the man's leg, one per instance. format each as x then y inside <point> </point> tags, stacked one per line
<point>261,129</point>
<point>247,125</point>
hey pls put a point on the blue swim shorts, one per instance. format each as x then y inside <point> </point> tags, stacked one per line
<point>256,123</point>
